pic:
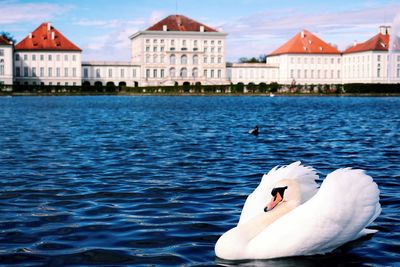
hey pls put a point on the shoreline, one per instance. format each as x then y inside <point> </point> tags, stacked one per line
<point>12,94</point>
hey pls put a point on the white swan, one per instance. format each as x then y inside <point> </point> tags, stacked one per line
<point>301,219</point>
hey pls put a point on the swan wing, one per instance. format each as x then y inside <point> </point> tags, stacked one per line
<point>256,201</point>
<point>346,203</point>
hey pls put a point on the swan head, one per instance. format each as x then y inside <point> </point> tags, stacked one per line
<point>286,192</point>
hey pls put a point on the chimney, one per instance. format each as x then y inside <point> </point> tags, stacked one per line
<point>53,35</point>
<point>354,43</point>
<point>385,30</point>
<point>48,26</point>
<point>30,35</point>
<point>302,34</point>
<point>201,28</point>
<point>165,28</point>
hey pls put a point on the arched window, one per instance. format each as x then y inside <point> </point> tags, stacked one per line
<point>148,59</point>
<point>183,73</point>
<point>172,72</point>
<point>155,59</point>
<point>184,60</point>
<point>195,73</point>
<point>172,60</point>
<point>195,60</point>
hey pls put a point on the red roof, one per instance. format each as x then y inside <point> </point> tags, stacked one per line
<point>46,37</point>
<point>305,43</point>
<point>379,42</point>
<point>180,23</point>
<point>4,41</point>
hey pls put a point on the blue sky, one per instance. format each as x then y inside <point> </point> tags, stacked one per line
<point>102,27</point>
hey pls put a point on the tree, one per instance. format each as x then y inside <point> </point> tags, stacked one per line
<point>8,36</point>
<point>260,59</point>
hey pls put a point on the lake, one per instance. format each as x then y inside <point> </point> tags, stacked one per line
<point>156,180</point>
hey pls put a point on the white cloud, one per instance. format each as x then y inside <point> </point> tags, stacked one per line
<point>14,12</point>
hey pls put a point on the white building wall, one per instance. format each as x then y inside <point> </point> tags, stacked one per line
<point>6,64</point>
<point>308,68</point>
<point>115,72</point>
<point>48,68</point>
<point>252,73</point>
<point>199,57</point>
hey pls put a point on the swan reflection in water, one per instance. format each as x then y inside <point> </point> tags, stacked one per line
<point>287,215</point>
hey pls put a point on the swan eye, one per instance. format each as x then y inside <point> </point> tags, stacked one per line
<point>280,190</point>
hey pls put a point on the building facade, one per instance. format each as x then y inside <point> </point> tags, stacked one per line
<point>306,59</point>
<point>110,74</point>
<point>46,57</point>
<point>179,50</point>
<point>6,62</point>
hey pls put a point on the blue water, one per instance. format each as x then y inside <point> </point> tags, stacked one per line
<point>156,180</point>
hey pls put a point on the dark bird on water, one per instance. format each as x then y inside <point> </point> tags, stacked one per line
<point>254,131</point>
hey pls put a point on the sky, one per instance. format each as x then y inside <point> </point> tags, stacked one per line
<point>101,28</point>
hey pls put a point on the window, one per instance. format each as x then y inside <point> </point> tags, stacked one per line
<point>33,57</point>
<point>73,72</point>
<point>58,57</point>
<point>292,73</point>
<point>332,74</point>
<point>183,73</point>
<point>98,75</point>
<point>325,74</point>
<point>41,72</point>
<point>378,71</point>
<point>162,49</point>
<point>195,73</point>
<point>378,58</point>
<point>183,42</point>
<point>50,58</point>
<point>338,74</point>
<point>58,72</point>
<point>172,60</point>
<point>205,59</point>
<point>162,41</point>
<point>147,48</point>
<point>147,73</point>
<point>26,72</point>
<point>1,69</point>
<point>110,73</point>
<point>16,57</point>
<point>162,73</point>
<point>195,60</point>
<point>147,41</point>
<point>155,59</point>
<point>50,70</point>
<point>65,72</point>
<point>298,61</point>
<point>155,73</point>
<point>195,43</point>
<point>305,60</point>
<point>205,74</point>
<point>33,72</point>
<point>148,59</point>
<point>17,72</point>
<point>41,57</point>
<point>398,71</point>
<point>184,60</point>
<point>332,60</point>
<point>212,49</point>
<point>305,74</point>
<point>155,49</point>
<point>319,74</point>
<point>155,41</point>
<point>25,57</point>
<point>312,74</point>
<point>219,50</point>
<point>172,72</point>
<point>212,74</point>
<point>212,42</point>
<point>219,73</point>
<point>134,73</point>
<point>161,59</point>
<point>85,73</point>
<point>212,60</point>
<point>73,57</point>
<point>1,52</point>
<point>298,74</point>
<point>172,42</point>
<point>292,60</point>
<point>219,42</point>
<point>312,60</point>
<point>65,57</point>
<point>122,73</point>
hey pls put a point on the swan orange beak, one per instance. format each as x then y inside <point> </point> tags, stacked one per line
<point>274,201</point>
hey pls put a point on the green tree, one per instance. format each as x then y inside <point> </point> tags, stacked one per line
<point>8,36</point>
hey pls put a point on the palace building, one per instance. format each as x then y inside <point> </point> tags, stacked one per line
<point>179,50</point>
<point>6,61</point>
<point>46,57</point>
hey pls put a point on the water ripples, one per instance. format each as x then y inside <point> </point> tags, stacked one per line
<point>156,180</point>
